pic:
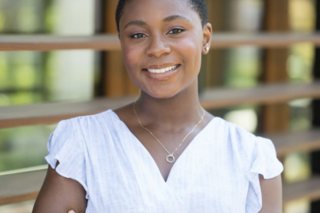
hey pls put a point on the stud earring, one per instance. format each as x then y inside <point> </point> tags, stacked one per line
<point>207,49</point>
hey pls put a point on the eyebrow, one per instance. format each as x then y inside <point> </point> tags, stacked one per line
<point>174,17</point>
<point>136,22</point>
<point>167,19</point>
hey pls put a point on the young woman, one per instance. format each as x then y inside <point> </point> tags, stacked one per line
<point>164,152</point>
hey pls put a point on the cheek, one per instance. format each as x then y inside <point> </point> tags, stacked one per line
<point>191,44</point>
<point>130,57</point>
<point>191,49</point>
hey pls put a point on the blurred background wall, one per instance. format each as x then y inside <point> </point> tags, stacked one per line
<point>33,77</point>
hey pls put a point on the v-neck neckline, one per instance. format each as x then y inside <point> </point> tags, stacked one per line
<point>147,153</point>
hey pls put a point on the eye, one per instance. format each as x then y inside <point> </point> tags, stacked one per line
<point>137,36</point>
<point>176,31</point>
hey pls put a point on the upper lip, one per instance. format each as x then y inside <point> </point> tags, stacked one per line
<point>161,66</point>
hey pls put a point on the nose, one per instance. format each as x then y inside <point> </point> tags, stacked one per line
<point>158,47</point>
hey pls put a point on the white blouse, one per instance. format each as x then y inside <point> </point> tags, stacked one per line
<point>218,171</point>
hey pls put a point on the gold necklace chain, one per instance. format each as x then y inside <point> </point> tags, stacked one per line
<point>170,158</point>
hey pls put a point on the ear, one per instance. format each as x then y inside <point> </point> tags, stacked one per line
<point>207,35</point>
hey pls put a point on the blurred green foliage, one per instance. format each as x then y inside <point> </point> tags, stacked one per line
<point>28,77</point>
<point>21,82</point>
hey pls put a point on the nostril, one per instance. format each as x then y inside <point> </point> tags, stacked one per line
<point>159,51</point>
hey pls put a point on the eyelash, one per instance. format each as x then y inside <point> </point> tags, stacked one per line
<point>177,29</point>
<point>137,34</point>
<point>141,35</point>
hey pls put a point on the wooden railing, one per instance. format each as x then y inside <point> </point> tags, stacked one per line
<point>24,186</point>
<point>111,42</point>
<point>47,113</point>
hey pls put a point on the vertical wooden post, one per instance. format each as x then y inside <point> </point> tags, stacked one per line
<point>275,117</point>
<point>315,156</point>
<point>213,63</point>
<point>98,29</point>
<point>115,79</point>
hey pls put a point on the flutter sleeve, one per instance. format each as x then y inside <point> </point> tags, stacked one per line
<point>264,161</point>
<point>67,147</point>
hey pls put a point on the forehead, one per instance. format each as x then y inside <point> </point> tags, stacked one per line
<point>150,3</point>
<point>150,10</point>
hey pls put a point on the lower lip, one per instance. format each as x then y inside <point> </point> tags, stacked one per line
<point>162,76</point>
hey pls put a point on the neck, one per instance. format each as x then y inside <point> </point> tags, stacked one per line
<point>171,113</point>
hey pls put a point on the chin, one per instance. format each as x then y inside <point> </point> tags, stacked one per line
<point>162,95</point>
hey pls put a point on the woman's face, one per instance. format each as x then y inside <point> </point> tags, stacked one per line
<point>162,42</point>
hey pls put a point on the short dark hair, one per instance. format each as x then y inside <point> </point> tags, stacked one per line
<point>199,6</point>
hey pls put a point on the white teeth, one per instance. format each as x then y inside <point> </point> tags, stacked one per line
<point>162,70</point>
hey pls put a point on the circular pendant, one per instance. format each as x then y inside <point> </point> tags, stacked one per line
<point>170,158</point>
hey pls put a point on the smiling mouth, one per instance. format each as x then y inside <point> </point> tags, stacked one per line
<point>167,69</point>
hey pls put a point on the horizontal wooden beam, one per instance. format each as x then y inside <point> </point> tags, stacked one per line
<point>304,141</point>
<point>300,141</point>
<point>25,186</point>
<point>54,42</point>
<point>230,40</point>
<point>261,94</point>
<point>306,189</point>
<point>48,113</point>
<point>111,42</point>
<point>20,187</point>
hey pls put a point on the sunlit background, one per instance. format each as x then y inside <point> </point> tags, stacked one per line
<point>34,77</point>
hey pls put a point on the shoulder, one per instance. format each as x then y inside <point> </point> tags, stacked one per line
<point>234,135</point>
<point>104,116</point>
<point>256,158</point>
<point>87,123</point>
<point>243,144</point>
<point>82,130</point>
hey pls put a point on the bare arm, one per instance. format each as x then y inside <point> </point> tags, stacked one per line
<point>271,190</point>
<point>59,195</point>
